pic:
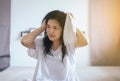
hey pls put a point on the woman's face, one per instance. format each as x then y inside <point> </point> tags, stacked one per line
<point>54,30</point>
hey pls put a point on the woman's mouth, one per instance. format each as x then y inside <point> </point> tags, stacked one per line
<point>51,35</point>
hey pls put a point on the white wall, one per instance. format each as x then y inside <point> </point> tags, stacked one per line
<point>29,13</point>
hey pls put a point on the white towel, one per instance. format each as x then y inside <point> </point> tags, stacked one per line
<point>69,35</point>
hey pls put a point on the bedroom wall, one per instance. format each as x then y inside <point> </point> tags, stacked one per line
<point>27,14</point>
<point>105,32</point>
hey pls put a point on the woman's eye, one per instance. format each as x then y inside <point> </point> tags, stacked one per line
<point>55,28</point>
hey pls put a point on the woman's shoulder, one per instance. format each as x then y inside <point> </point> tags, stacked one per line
<point>39,42</point>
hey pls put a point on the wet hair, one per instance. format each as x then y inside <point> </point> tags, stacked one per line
<point>60,17</point>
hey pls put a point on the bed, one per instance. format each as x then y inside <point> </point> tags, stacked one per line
<point>85,73</point>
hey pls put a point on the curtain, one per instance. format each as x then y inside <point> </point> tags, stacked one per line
<point>105,32</point>
<point>4,34</point>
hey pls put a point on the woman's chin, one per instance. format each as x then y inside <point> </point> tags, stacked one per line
<point>51,39</point>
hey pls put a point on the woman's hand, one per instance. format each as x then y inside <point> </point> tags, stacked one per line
<point>43,25</point>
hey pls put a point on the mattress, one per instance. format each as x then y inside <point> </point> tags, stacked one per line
<point>107,73</point>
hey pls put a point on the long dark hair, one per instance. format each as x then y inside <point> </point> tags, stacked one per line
<point>60,17</point>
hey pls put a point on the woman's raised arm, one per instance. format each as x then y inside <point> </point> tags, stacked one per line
<point>80,39</point>
<point>28,40</point>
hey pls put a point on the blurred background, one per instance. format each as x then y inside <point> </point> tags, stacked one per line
<point>99,19</point>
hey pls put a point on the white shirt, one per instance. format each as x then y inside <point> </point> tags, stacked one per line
<point>51,68</point>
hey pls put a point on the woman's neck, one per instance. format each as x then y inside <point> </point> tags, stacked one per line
<point>56,45</point>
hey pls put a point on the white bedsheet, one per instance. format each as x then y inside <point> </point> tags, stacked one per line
<point>85,73</point>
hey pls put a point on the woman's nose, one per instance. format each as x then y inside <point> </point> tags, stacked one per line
<point>51,30</point>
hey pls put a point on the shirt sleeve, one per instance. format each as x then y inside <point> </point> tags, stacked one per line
<point>35,53</point>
